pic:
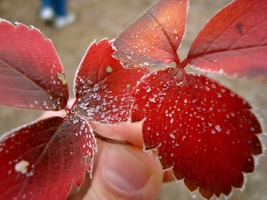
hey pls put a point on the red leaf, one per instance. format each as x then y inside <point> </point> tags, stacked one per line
<point>234,41</point>
<point>154,38</point>
<point>103,87</point>
<point>31,75</point>
<point>42,160</point>
<point>201,129</point>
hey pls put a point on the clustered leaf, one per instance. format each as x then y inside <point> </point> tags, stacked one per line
<point>234,41</point>
<point>154,38</point>
<point>43,159</point>
<point>31,75</point>
<point>205,132</point>
<point>102,91</point>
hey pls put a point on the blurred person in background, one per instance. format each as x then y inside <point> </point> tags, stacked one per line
<point>55,11</point>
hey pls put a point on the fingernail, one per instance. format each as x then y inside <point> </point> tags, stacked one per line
<point>124,171</point>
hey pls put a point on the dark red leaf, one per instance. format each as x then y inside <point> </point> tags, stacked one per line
<point>31,75</point>
<point>42,160</point>
<point>154,38</point>
<point>103,87</point>
<point>200,128</point>
<point>234,41</point>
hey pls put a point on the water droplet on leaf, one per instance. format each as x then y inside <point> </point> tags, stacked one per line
<point>108,69</point>
<point>22,166</point>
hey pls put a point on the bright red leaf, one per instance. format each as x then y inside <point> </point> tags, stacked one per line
<point>42,160</point>
<point>31,75</point>
<point>234,41</point>
<point>103,87</point>
<point>201,129</point>
<point>205,132</point>
<point>154,38</point>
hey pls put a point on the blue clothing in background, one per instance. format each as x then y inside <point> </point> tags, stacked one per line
<point>59,6</point>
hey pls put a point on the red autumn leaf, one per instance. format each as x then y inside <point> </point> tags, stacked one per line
<point>103,87</point>
<point>42,160</point>
<point>31,75</point>
<point>234,41</point>
<point>205,132</point>
<point>154,38</point>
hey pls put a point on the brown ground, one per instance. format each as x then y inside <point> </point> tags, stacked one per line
<point>100,19</point>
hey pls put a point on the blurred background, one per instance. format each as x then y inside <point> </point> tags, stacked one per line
<point>97,19</point>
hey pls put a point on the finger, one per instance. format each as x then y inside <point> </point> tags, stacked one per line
<point>125,172</point>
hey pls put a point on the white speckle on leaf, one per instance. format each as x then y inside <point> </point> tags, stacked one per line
<point>146,64</point>
<point>213,86</point>
<point>22,166</point>
<point>86,160</point>
<point>252,129</point>
<point>172,135</point>
<point>128,85</point>
<point>108,69</point>
<point>218,128</point>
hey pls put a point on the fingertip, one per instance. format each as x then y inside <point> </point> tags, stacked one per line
<point>126,172</point>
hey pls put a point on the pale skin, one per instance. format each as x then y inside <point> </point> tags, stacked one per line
<point>121,171</point>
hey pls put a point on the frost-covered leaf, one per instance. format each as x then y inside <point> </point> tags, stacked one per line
<point>234,41</point>
<point>42,160</point>
<point>200,128</point>
<point>154,38</point>
<point>103,87</point>
<point>31,75</point>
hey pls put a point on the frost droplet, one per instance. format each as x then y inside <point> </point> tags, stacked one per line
<point>108,69</point>
<point>128,85</point>
<point>218,128</point>
<point>22,166</point>
<point>172,135</point>
<point>252,129</point>
<point>219,95</point>
<point>146,63</point>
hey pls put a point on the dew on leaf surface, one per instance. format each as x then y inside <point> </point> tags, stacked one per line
<point>22,166</point>
<point>109,69</point>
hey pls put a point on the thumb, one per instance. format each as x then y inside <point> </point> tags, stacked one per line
<point>125,172</point>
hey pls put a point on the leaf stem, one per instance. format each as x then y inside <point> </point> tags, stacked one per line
<point>109,140</point>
